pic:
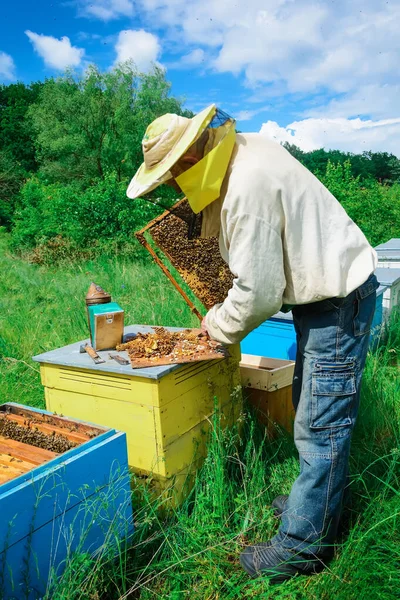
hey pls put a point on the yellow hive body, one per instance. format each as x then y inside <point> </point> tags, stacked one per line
<point>268,387</point>
<point>166,420</point>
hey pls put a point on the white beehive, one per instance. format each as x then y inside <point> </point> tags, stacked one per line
<point>389,254</point>
<point>390,279</point>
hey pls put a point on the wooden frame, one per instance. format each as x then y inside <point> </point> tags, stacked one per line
<point>140,237</point>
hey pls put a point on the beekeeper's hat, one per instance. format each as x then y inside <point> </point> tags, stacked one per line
<point>166,140</point>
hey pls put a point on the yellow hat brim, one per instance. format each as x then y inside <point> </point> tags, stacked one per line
<point>145,180</point>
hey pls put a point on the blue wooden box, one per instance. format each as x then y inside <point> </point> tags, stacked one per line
<point>73,502</point>
<point>276,338</point>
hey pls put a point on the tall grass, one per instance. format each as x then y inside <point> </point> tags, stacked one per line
<point>44,308</point>
<point>193,552</point>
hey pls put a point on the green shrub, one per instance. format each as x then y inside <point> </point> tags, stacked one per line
<point>57,222</point>
<point>373,206</point>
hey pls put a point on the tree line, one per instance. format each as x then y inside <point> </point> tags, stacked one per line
<point>69,145</point>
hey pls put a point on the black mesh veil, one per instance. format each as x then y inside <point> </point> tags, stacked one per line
<point>220,118</point>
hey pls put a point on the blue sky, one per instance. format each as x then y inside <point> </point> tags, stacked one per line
<point>318,74</point>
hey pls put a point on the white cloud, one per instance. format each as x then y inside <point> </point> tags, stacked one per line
<point>7,66</point>
<point>329,48</point>
<point>374,100</point>
<point>57,54</point>
<point>246,115</point>
<point>106,10</point>
<point>140,46</point>
<point>193,59</point>
<point>350,135</point>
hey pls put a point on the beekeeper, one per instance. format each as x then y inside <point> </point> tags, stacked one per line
<point>289,244</point>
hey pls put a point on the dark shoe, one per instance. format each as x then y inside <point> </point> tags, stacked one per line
<point>275,563</point>
<point>279,505</point>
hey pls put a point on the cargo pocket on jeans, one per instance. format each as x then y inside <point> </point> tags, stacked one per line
<point>333,394</point>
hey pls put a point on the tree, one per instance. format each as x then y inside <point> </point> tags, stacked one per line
<point>93,124</point>
<point>379,166</point>
<point>384,167</point>
<point>16,132</point>
<point>294,151</point>
<point>11,180</point>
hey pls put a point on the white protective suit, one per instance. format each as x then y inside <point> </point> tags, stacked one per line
<point>286,239</point>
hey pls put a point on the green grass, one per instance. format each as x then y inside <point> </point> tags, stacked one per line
<point>43,308</point>
<point>193,553</point>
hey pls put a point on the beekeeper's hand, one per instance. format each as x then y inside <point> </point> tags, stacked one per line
<point>203,327</point>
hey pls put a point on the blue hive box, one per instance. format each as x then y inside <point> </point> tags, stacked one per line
<point>275,338</point>
<point>73,502</point>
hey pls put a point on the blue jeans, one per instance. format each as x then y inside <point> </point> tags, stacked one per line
<point>332,344</point>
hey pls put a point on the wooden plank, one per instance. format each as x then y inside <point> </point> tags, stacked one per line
<point>267,380</point>
<point>82,383</point>
<point>250,360</point>
<point>135,418</point>
<point>273,407</point>
<point>31,454</point>
<point>9,472</point>
<point>49,429</point>
<point>6,459</point>
<point>11,467</point>
<point>89,431</point>
<point>5,477</point>
<point>138,363</point>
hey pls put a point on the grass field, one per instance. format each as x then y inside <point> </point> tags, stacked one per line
<point>194,552</point>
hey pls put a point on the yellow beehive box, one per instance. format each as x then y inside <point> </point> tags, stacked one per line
<point>268,387</point>
<point>165,411</point>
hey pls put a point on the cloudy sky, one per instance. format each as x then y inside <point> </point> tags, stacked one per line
<point>317,74</point>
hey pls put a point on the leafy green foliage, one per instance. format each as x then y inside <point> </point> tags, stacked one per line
<point>87,131</point>
<point>378,166</point>
<point>16,132</point>
<point>17,152</point>
<point>374,207</point>
<point>93,124</point>
<point>11,179</point>
<point>57,222</point>
<point>68,220</point>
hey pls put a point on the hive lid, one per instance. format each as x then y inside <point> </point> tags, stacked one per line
<point>96,295</point>
<point>70,356</point>
<point>393,244</point>
<point>387,276</point>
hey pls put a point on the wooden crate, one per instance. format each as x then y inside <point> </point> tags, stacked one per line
<point>268,387</point>
<point>165,411</point>
<point>52,504</point>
